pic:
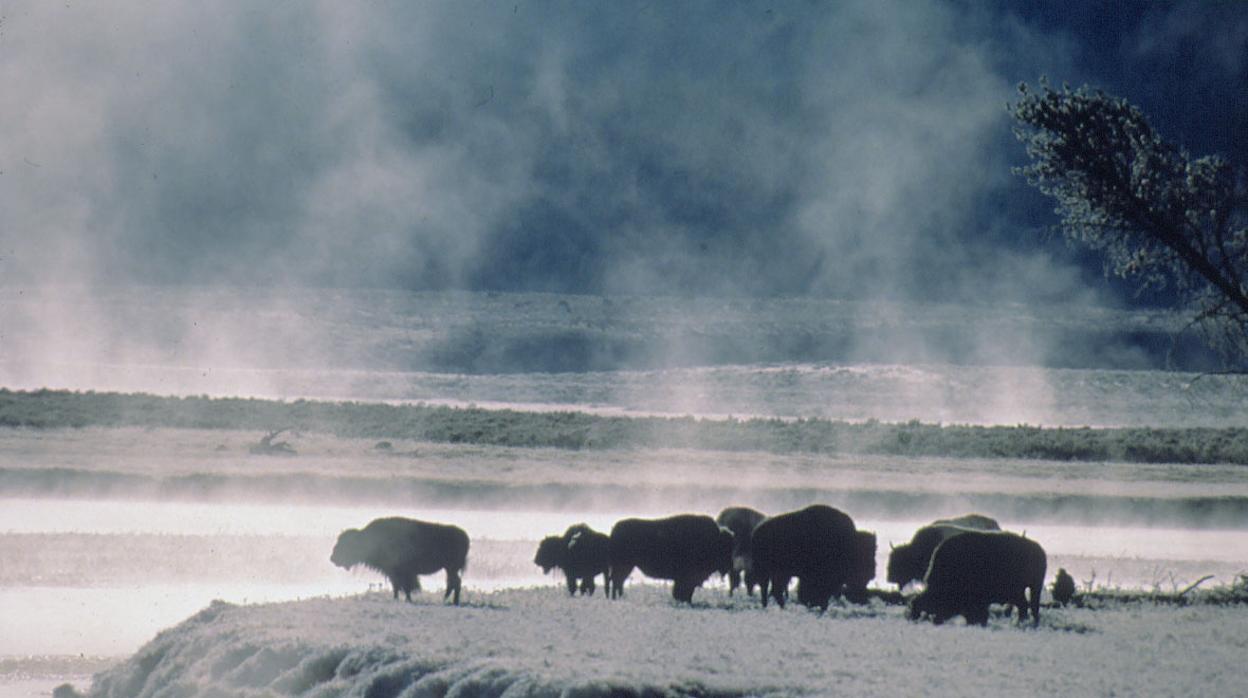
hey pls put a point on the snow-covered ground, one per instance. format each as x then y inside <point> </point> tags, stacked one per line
<point>538,642</point>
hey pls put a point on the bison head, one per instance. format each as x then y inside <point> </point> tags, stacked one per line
<point>350,550</point>
<point>550,554</point>
<point>900,569</point>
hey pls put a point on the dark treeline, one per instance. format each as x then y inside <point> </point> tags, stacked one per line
<point>47,409</point>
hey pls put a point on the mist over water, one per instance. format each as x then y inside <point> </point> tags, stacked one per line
<point>618,355</point>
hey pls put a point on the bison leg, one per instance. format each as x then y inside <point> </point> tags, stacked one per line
<point>618,575</point>
<point>734,580</point>
<point>453,583</point>
<point>587,585</point>
<point>751,580</point>
<point>1035,605</point>
<point>1021,604</point>
<point>571,583</point>
<point>780,589</point>
<point>764,586</point>
<point>396,584</point>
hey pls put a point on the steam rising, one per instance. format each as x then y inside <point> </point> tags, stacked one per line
<point>850,150</point>
<point>702,147</point>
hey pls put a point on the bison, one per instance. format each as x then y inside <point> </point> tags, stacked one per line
<point>686,549</point>
<point>908,562</point>
<point>1063,587</point>
<point>741,521</point>
<point>974,569</point>
<point>816,544</point>
<point>402,549</point>
<point>581,552</point>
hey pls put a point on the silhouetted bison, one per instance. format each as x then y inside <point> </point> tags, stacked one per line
<point>686,549</point>
<point>581,552</point>
<point>974,569</point>
<point>908,562</point>
<point>402,549</point>
<point>816,544</point>
<point>1063,587</point>
<point>741,521</point>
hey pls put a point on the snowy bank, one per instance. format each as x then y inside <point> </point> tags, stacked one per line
<point>538,642</point>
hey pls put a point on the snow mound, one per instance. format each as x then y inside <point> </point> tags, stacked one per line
<point>539,642</point>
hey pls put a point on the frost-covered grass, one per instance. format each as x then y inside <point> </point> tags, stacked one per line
<point>536,642</point>
<point>580,430</point>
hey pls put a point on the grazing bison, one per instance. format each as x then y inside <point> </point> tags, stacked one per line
<point>402,549</point>
<point>686,549</point>
<point>816,544</point>
<point>908,562</point>
<point>741,521</point>
<point>581,552</point>
<point>974,569</point>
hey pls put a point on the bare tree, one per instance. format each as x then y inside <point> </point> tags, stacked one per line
<point>1156,215</point>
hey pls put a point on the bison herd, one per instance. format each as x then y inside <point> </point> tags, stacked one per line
<point>965,563</point>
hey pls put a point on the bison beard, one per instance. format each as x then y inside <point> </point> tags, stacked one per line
<point>973,570</point>
<point>686,549</point>
<point>402,549</point>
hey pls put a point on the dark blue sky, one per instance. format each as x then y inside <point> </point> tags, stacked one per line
<point>856,149</point>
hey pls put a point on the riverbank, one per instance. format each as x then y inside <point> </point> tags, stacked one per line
<point>50,409</point>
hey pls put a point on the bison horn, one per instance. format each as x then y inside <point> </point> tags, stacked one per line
<point>891,546</point>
